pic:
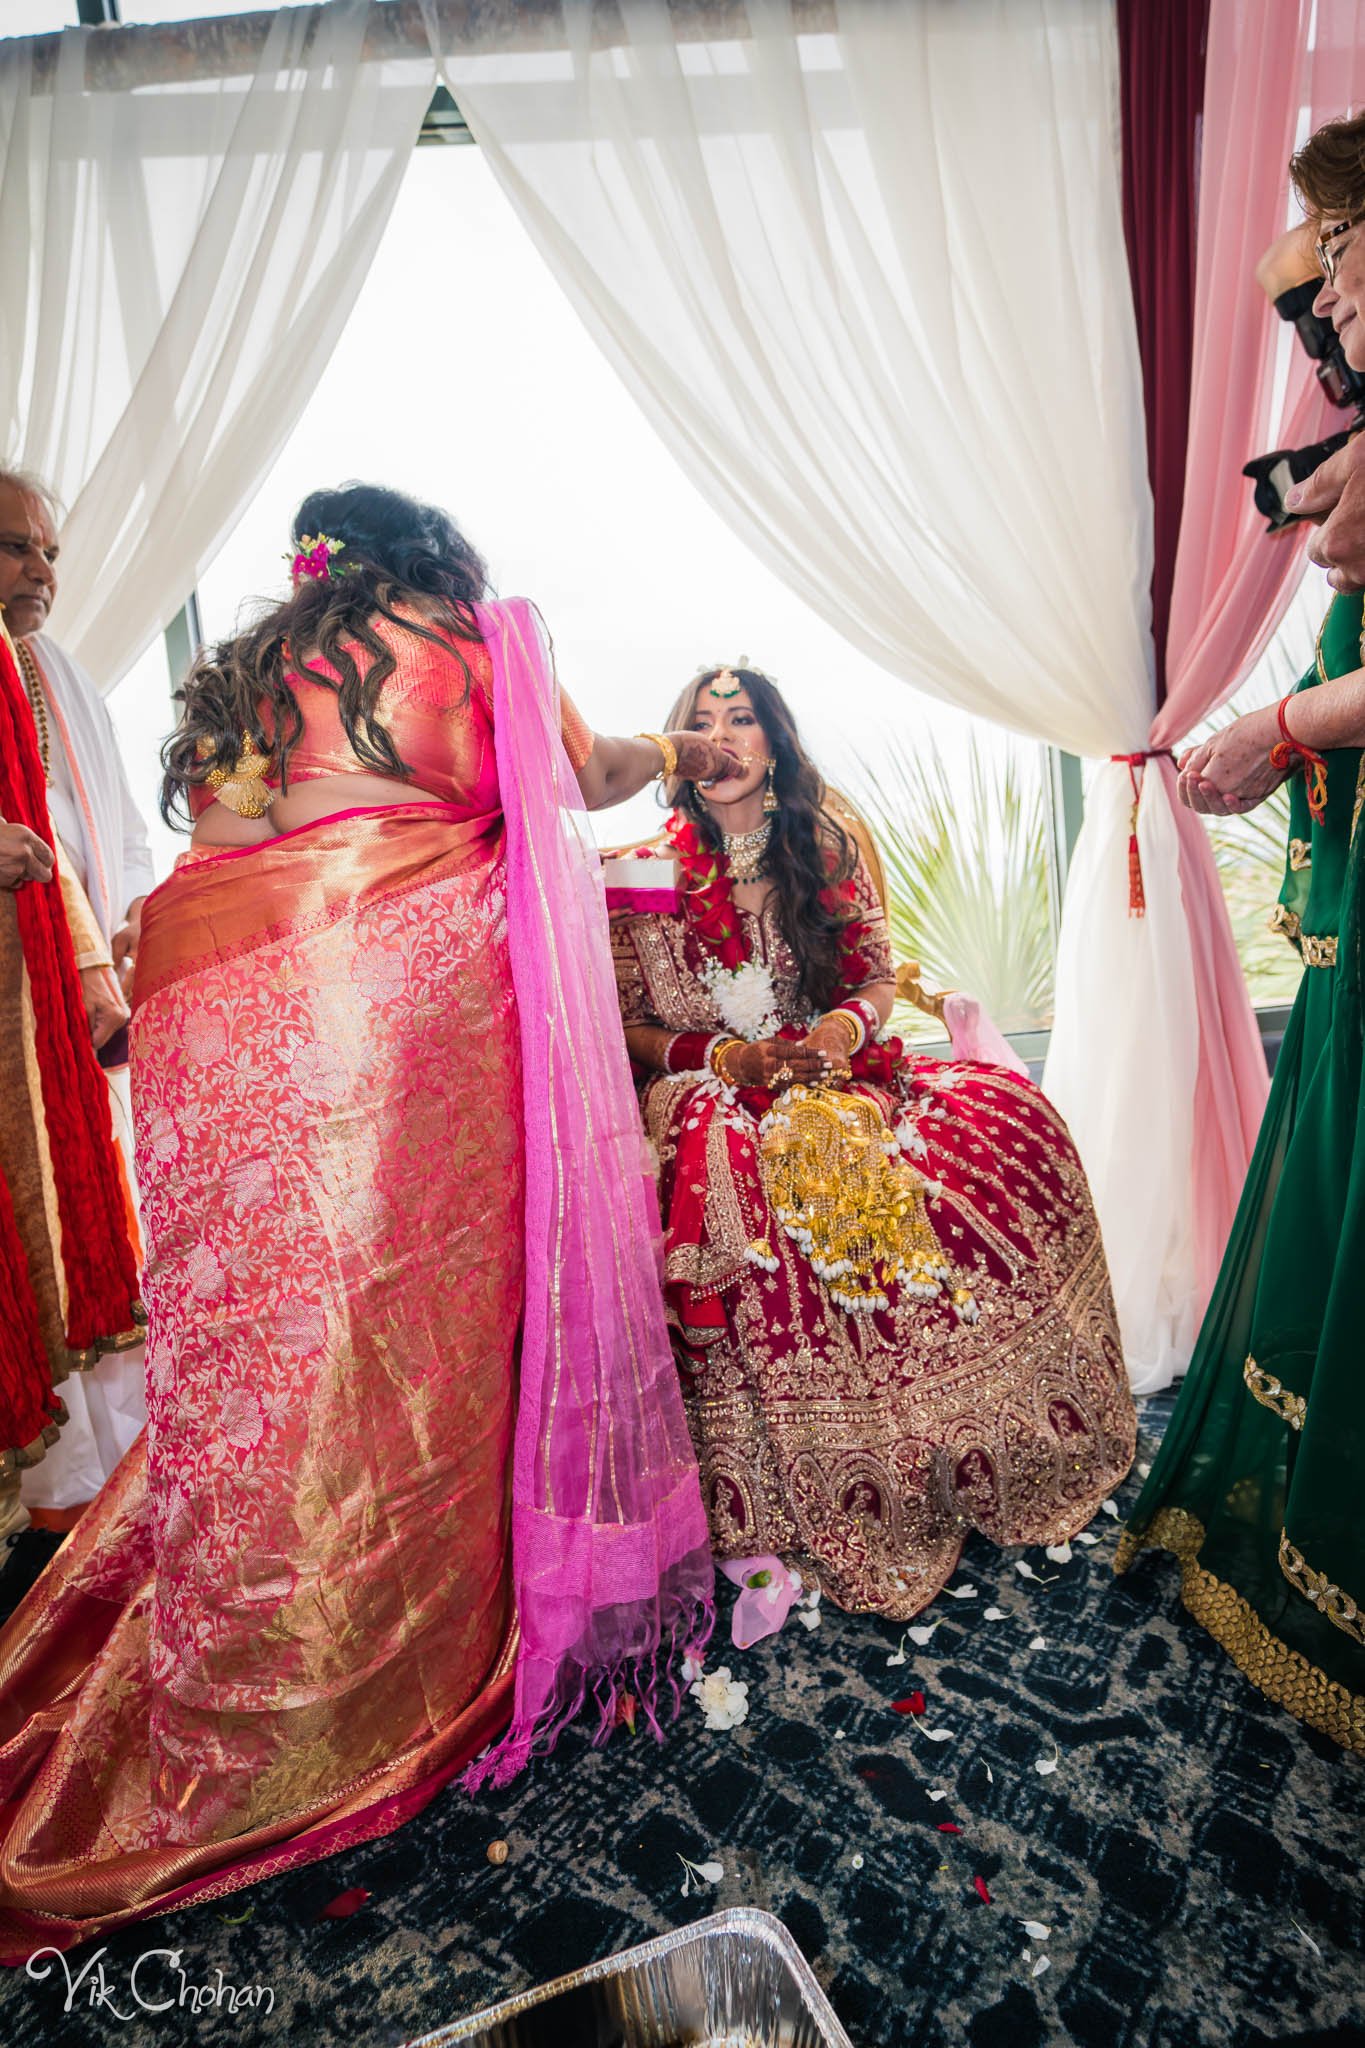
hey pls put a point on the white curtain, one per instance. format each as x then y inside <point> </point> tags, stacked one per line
<point>181,259</point>
<point>870,285</point>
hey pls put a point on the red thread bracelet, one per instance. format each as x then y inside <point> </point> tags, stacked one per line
<point>1283,755</point>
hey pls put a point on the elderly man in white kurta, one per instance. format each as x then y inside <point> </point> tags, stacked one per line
<point>94,816</point>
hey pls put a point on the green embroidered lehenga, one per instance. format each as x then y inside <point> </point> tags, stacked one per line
<point>1259,1486</point>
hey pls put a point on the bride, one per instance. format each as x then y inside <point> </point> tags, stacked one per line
<point>888,1296</point>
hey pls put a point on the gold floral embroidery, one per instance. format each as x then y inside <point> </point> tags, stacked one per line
<point>1291,1408</point>
<point>1282,1674</point>
<point>1319,952</point>
<point>1300,854</point>
<point>1340,1609</point>
<point>1286,921</point>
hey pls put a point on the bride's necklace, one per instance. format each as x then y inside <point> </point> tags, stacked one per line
<point>744,852</point>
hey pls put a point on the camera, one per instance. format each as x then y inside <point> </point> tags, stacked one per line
<point>1278,472</point>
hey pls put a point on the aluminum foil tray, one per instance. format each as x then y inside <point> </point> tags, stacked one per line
<point>737,1980</point>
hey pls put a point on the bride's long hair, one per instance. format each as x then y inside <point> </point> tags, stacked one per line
<point>809,848</point>
<point>394,549</point>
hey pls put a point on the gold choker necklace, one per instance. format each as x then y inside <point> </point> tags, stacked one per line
<point>744,852</point>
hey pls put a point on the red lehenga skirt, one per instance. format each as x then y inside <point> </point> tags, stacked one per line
<point>288,1619</point>
<point>863,1448</point>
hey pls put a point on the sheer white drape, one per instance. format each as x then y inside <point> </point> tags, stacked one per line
<point>871,288</point>
<point>181,261</point>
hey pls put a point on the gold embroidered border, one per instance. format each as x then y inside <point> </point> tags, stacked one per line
<point>1340,1609</point>
<point>1265,1388</point>
<point>1300,855</point>
<point>1318,952</point>
<point>1283,1675</point>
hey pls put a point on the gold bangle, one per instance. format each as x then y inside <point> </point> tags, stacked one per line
<point>716,1059</point>
<point>669,752</point>
<point>857,1030</point>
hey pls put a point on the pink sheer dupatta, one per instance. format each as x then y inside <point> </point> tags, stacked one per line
<point>611,1557</point>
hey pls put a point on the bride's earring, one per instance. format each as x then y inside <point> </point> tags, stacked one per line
<point>770,802</point>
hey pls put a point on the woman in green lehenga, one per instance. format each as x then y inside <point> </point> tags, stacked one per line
<point>1255,1486</point>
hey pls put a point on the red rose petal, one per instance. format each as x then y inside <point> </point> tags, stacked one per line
<point>914,1704</point>
<point>949,1827</point>
<point>981,1891</point>
<point>345,1903</point>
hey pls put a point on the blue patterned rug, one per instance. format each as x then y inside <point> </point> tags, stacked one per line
<point>1193,1853</point>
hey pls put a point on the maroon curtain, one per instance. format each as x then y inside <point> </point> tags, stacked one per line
<point>1162,45</point>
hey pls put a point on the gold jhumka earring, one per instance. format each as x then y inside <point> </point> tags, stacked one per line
<point>770,797</point>
<point>243,787</point>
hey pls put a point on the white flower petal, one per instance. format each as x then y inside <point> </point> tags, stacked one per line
<point>938,1734</point>
<point>1043,1963</point>
<point>1086,1538</point>
<point>993,1614</point>
<point>1060,1553</point>
<point>1144,1471</point>
<point>1035,1930</point>
<point>808,1617</point>
<point>1024,1568</point>
<point>856,1862</point>
<point>896,1657</point>
<point>1045,1766</point>
<point>1109,1507</point>
<point>960,1592</point>
<point>920,1636</point>
<point>936,1796</point>
<point>1038,1643</point>
<point>1293,1923</point>
<point>990,1775</point>
<point>712,1872</point>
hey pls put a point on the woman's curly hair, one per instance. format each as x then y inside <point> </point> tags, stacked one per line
<point>1329,171</point>
<point>394,549</point>
<point>809,849</point>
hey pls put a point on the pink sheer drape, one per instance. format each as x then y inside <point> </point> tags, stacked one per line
<point>1232,583</point>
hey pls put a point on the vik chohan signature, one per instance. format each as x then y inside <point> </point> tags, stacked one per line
<point>156,1983</point>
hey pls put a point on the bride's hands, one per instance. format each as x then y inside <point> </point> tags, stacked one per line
<point>700,759</point>
<point>774,1063</point>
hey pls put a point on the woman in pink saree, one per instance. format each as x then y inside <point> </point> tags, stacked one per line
<point>415,1460</point>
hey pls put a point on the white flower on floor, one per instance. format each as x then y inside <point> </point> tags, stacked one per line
<point>1046,1765</point>
<point>723,1700</point>
<point>1038,1643</point>
<point>808,1608</point>
<point>1035,1930</point>
<point>993,1614</point>
<point>1109,1507</point>
<point>1086,1538</point>
<point>1060,1553</point>
<point>698,1874</point>
<point>692,1665</point>
<point>1043,1963</point>
<point>920,1636</point>
<point>960,1592</point>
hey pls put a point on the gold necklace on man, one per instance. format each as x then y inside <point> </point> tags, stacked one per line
<point>33,684</point>
<point>745,852</point>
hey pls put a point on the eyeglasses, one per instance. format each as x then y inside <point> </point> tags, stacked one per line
<point>1331,246</point>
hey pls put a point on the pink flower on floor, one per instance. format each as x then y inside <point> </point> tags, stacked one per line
<point>767,1591</point>
<point>302,1326</point>
<point>240,1418</point>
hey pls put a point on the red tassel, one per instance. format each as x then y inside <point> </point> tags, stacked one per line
<point>1137,898</point>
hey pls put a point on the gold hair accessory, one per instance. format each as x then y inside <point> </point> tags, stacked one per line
<point>243,787</point>
<point>667,749</point>
<point>838,1186</point>
<point>726,676</point>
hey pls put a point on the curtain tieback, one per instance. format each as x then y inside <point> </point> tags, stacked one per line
<point>1137,898</point>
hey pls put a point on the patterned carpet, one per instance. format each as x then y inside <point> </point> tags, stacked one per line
<point>1194,1853</point>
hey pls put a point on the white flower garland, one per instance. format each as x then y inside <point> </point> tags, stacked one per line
<point>745,998</point>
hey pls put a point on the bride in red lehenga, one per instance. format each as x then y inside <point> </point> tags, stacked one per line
<point>888,1294</point>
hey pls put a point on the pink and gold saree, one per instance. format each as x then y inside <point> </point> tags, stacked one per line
<point>317,1588</point>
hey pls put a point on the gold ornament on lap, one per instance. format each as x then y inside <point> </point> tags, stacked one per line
<point>836,1183</point>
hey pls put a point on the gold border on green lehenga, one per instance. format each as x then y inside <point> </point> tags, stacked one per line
<point>1283,1675</point>
<point>1265,1388</point>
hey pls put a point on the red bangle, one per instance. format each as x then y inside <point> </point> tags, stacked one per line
<point>1283,755</point>
<point>688,1051</point>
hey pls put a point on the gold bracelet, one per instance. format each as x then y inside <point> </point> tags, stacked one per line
<point>857,1030</point>
<point>716,1059</point>
<point>667,749</point>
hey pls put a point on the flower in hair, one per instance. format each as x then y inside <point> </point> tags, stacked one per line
<point>314,557</point>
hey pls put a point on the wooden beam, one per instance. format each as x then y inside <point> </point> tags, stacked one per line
<point>122,57</point>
